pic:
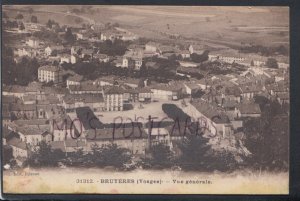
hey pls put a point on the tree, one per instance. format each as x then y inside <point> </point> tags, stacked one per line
<point>21,27</point>
<point>160,157</point>
<point>267,139</point>
<point>34,19</point>
<point>69,37</point>
<point>110,155</point>
<point>200,58</point>
<point>194,153</point>
<point>272,63</point>
<point>49,24</point>
<point>44,156</point>
<point>19,16</point>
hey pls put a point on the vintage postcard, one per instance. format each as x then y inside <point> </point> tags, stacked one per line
<point>107,99</point>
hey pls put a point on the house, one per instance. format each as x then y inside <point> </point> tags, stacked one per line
<point>197,49</point>
<point>28,111</point>
<point>249,110</point>
<point>138,94</point>
<point>172,91</point>
<point>104,81</point>
<point>94,101</point>
<point>113,97</point>
<point>133,59</point>
<point>283,65</point>
<point>187,64</point>
<point>53,50</point>
<point>134,139</point>
<point>13,90</point>
<point>50,73</point>
<point>65,58</point>
<point>75,50</point>
<point>159,135</point>
<point>74,80</point>
<point>185,54</point>
<point>26,51</point>
<point>212,57</point>
<point>213,121</point>
<point>192,88</point>
<point>87,53</point>
<point>249,91</point>
<point>85,88</point>
<point>62,128</point>
<point>74,59</point>
<point>29,99</point>
<point>283,98</point>
<point>151,47</point>
<point>33,42</point>
<point>101,58</point>
<point>19,148</point>
<point>231,59</point>
<point>33,135</point>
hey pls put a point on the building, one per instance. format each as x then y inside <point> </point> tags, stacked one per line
<point>19,148</point>
<point>94,101</point>
<point>172,91</point>
<point>134,139</point>
<point>249,110</point>
<point>33,135</point>
<point>212,120</point>
<point>74,80</point>
<point>62,128</point>
<point>151,47</point>
<point>113,97</point>
<point>53,50</point>
<point>33,42</point>
<point>50,73</point>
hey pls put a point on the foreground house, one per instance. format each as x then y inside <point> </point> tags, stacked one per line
<point>211,119</point>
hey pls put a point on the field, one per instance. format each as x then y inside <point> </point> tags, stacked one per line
<point>261,25</point>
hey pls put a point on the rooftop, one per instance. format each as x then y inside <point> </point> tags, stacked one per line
<point>116,134</point>
<point>50,68</point>
<point>251,108</point>
<point>214,113</point>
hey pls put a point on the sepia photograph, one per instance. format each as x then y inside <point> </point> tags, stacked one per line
<point>144,99</point>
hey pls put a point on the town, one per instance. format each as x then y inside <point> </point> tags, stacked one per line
<point>78,89</point>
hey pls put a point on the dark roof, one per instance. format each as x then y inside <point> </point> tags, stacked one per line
<point>9,99</point>
<point>50,68</point>
<point>251,108</point>
<point>212,112</point>
<point>16,142</point>
<point>14,89</point>
<point>113,90</point>
<point>229,104</point>
<point>23,107</point>
<point>86,98</point>
<point>116,134</point>
<point>33,130</point>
